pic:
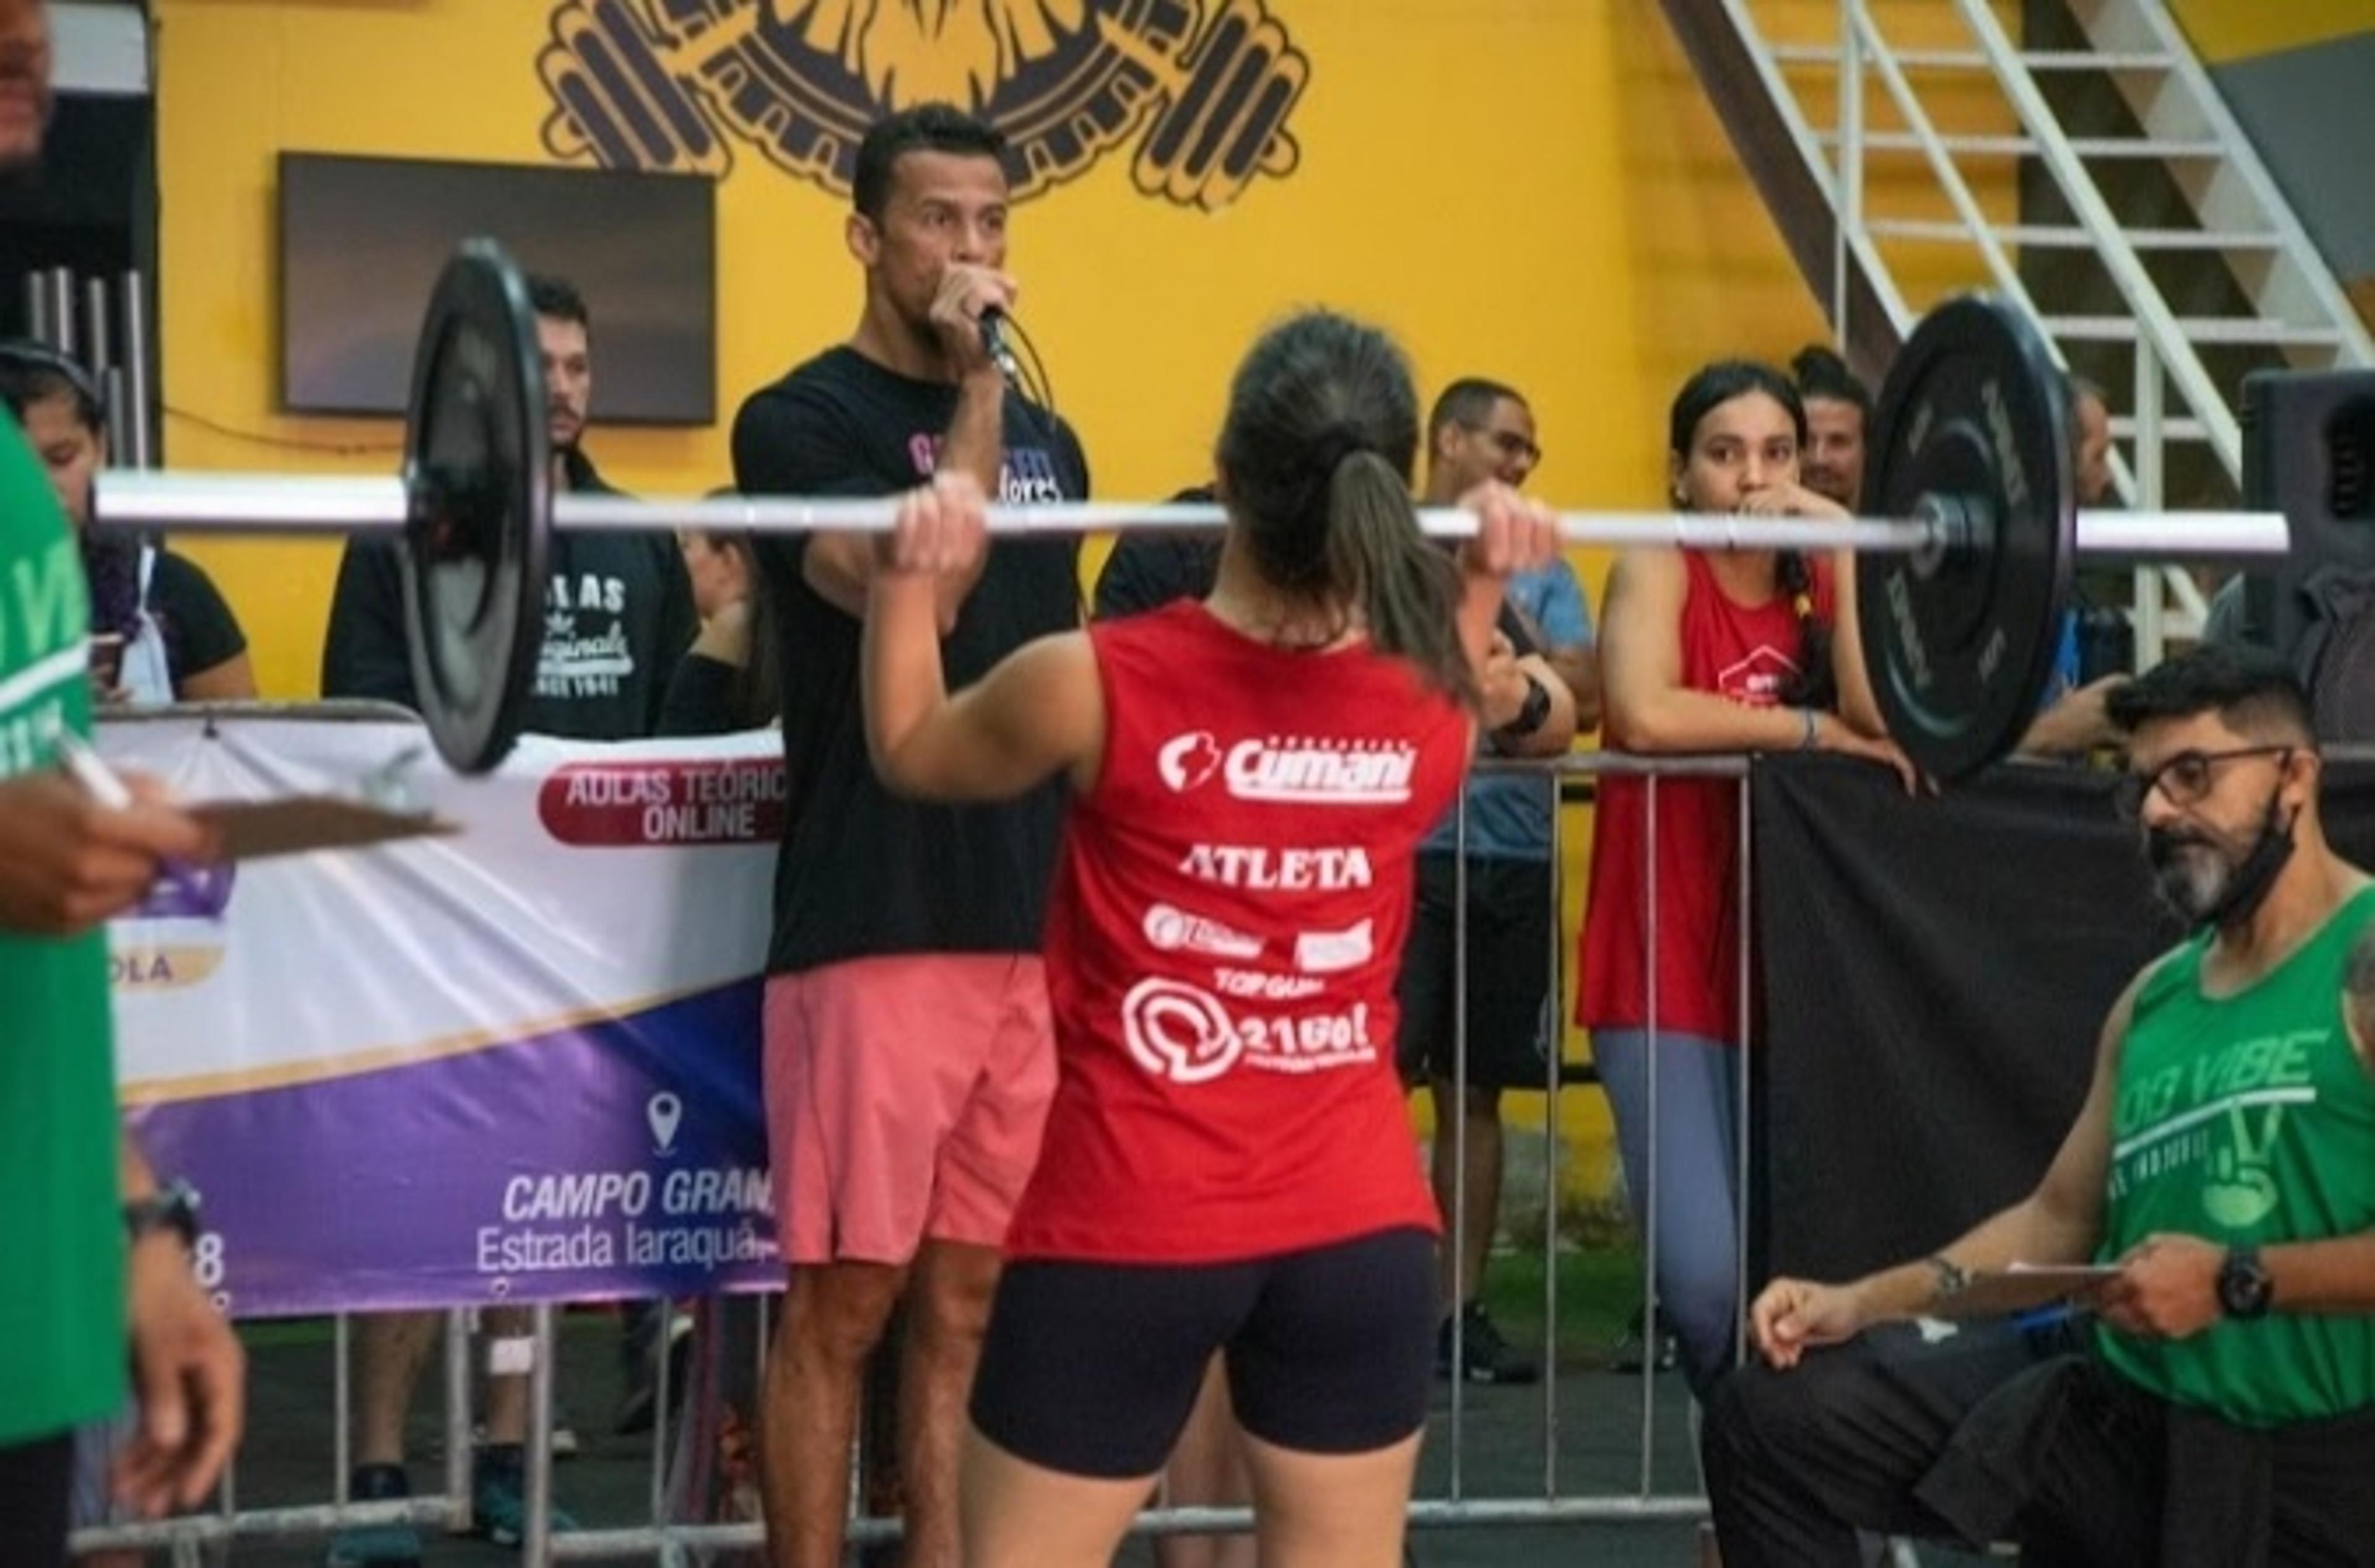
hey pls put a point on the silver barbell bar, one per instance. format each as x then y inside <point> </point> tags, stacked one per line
<point>275,503</point>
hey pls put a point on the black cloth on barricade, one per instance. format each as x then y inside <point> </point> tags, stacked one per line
<point>1936,973</point>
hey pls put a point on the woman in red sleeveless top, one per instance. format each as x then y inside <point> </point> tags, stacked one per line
<point>1729,651</point>
<point>1227,1165</point>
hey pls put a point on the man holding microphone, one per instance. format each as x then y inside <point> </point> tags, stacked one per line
<point>908,1058</point>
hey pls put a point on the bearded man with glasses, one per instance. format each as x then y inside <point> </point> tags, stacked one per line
<point>2211,1401</point>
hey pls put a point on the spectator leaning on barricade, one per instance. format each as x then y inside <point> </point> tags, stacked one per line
<point>1540,685</point>
<point>160,633</point>
<point>2071,720</point>
<point>2212,1403</point>
<point>908,1060</point>
<point>97,1252</point>
<point>617,618</point>
<point>1715,650</point>
<point>1838,415</point>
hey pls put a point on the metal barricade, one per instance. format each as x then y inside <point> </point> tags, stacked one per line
<point>1454,1503</point>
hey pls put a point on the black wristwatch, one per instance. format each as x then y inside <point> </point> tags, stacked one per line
<point>173,1207</point>
<point>1532,713</point>
<point>2245,1291</point>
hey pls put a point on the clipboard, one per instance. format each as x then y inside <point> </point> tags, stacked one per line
<point>297,824</point>
<point>259,829</point>
<point>2026,1287</point>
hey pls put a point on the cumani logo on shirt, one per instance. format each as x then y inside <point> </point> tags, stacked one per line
<point>673,85</point>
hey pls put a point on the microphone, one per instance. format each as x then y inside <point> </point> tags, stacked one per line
<point>992,323</point>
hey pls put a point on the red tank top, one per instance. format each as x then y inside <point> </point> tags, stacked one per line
<point>1223,942</point>
<point>1746,653</point>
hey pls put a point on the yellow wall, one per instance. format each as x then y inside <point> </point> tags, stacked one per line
<point>2228,31</point>
<point>1531,189</point>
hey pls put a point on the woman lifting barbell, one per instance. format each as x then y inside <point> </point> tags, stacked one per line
<point>1227,1166</point>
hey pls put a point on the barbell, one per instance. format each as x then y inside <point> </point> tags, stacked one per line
<point>1962,584</point>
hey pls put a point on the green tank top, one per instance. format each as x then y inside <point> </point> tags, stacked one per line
<point>2248,1120</point>
<point>62,1329</point>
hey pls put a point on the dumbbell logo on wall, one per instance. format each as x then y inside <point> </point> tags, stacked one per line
<point>1206,85</point>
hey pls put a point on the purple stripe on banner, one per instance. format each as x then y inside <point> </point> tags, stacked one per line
<point>627,1158</point>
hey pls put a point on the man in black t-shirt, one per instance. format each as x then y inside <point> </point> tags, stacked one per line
<point>909,1058</point>
<point>618,609</point>
<point>618,617</point>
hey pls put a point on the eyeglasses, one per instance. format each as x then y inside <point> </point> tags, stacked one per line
<point>1510,444</point>
<point>2185,779</point>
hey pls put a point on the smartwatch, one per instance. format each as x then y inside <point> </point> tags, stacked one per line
<point>1532,715</point>
<point>173,1207</point>
<point>2245,1291</point>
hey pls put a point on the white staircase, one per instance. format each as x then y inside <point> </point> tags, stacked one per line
<point>2098,169</point>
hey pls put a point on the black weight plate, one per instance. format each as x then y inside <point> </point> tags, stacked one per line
<point>479,475</point>
<point>1974,420</point>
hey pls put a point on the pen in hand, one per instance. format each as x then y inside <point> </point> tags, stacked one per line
<point>87,768</point>
<point>107,789</point>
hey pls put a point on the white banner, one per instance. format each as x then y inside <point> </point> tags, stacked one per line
<point>519,1061</point>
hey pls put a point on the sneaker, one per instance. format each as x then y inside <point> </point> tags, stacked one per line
<point>1485,1355</point>
<point>1628,1354</point>
<point>499,1496</point>
<point>376,1546</point>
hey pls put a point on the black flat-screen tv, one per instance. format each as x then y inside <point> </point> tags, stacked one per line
<point>362,240</point>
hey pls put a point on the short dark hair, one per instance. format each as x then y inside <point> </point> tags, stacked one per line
<point>34,372</point>
<point>557,300</point>
<point>1467,401</point>
<point>1713,385</point>
<point>2252,691</point>
<point>926,127</point>
<point>1820,372</point>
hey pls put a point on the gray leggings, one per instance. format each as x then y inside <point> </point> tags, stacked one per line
<point>1697,1206</point>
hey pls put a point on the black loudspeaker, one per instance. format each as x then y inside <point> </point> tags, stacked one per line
<point>2309,451</point>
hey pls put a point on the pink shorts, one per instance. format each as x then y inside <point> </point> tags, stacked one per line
<point>905,1097</point>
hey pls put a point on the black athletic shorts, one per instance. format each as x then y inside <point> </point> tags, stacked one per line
<point>1508,974</point>
<point>1092,1368</point>
<point>36,1481</point>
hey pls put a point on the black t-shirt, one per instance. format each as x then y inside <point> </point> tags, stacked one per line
<point>1146,572</point>
<point>700,698</point>
<point>616,617</point>
<point>200,632</point>
<point>862,873</point>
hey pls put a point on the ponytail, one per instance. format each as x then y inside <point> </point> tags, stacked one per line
<point>1814,685</point>
<point>1408,590</point>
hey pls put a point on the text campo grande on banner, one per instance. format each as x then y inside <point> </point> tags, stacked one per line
<point>517,1062</point>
